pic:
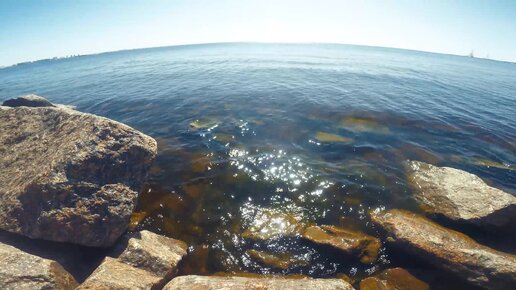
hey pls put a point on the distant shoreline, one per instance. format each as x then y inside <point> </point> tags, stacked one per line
<point>242,43</point>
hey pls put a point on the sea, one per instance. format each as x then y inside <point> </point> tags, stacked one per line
<point>257,141</point>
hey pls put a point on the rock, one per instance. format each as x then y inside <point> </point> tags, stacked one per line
<point>347,240</point>
<point>271,223</point>
<point>237,283</point>
<point>393,279</point>
<point>328,137</point>
<point>154,253</point>
<point>112,274</point>
<point>69,176</point>
<point>28,101</point>
<point>21,270</point>
<point>281,261</point>
<point>459,195</point>
<point>448,249</point>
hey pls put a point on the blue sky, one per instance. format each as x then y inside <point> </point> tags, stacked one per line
<point>32,30</point>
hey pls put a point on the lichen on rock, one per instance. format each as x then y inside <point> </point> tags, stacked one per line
<point>69,176</point>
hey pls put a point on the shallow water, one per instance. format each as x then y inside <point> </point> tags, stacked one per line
<point>272,137</point>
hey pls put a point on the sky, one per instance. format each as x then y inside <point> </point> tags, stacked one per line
<point>32,30</point>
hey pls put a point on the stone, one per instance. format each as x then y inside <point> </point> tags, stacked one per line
<point>330,138</point>
<point>353,242</point>
<point>459,195</point>
<point>28,101</point>
<point>236,283</point>
<point>113,274</point>
<point>154,253</point>
<point>69,176</point>
<point>20,270</point>
<point>393,279</point>
<point>448,249</point>
<point>271,223</point>
<point>281,261</point>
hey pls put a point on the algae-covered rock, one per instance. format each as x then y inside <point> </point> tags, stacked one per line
<point>459,195</point>
<point>350,241</point>
<point>281,261</point>
<point>393,279</point>
<point>69,176</point>
<point>448,249</point>
<point>113,274</point>
<point>328,137</point>
<point>236,283</point>
<point>20,270</point>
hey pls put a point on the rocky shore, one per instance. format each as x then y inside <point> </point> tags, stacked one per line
<point>71,179</point>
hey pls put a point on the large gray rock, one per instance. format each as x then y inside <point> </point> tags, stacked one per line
<point>113,274</point>
<point>28,101</point>
<point>237,283</point>
<point>20,270</point>
<point>154,253</point>
<point>459,195</point>
<point>448,249</point>
<point>69,176</point>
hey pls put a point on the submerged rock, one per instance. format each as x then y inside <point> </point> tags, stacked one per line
<point>448,249</point>
<point>113,274</point>
<point>237,283</point>
<point>154,253</point>
<point>363,124</point>
<point>281,261</point>
<point>350,241</point>
<point>28,101</point>
<point>459,195</point>
<point>69,176</point>
<point>20,270</point>
<point>270,223</point>
<point>393,279</point>
<point>328,137</point>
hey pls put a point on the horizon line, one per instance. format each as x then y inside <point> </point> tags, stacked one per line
<point>245,42</point>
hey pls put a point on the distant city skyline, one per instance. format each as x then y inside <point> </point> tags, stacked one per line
<point>32,30</point>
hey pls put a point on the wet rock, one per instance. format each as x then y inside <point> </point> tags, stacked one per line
<point>281,261</point>
<point>20,270</point>
<point>237,283</point>
<point>459,195</point>
<point>113,274</point>
<point>350,241</point>
<point>154,253</point>
<point>269,223</point>
<point>28,101</point>
<point>448,249</point>
<point>393,279</point>
<point>69,176</point>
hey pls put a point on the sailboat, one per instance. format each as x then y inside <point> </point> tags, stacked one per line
<point>471,54</point>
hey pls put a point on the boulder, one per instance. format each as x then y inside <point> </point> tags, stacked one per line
<point>393,279</point>
<point>237,283</point>
<point>69,176</point>
<point>448,249</point>
<point>350,241</point>
<point>113,274</point>
<point>459,195</point>
<point>28,101</point>
<point>20,270</point>
<point>154,253</point>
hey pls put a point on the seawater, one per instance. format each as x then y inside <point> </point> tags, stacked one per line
<point>272,136</point>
